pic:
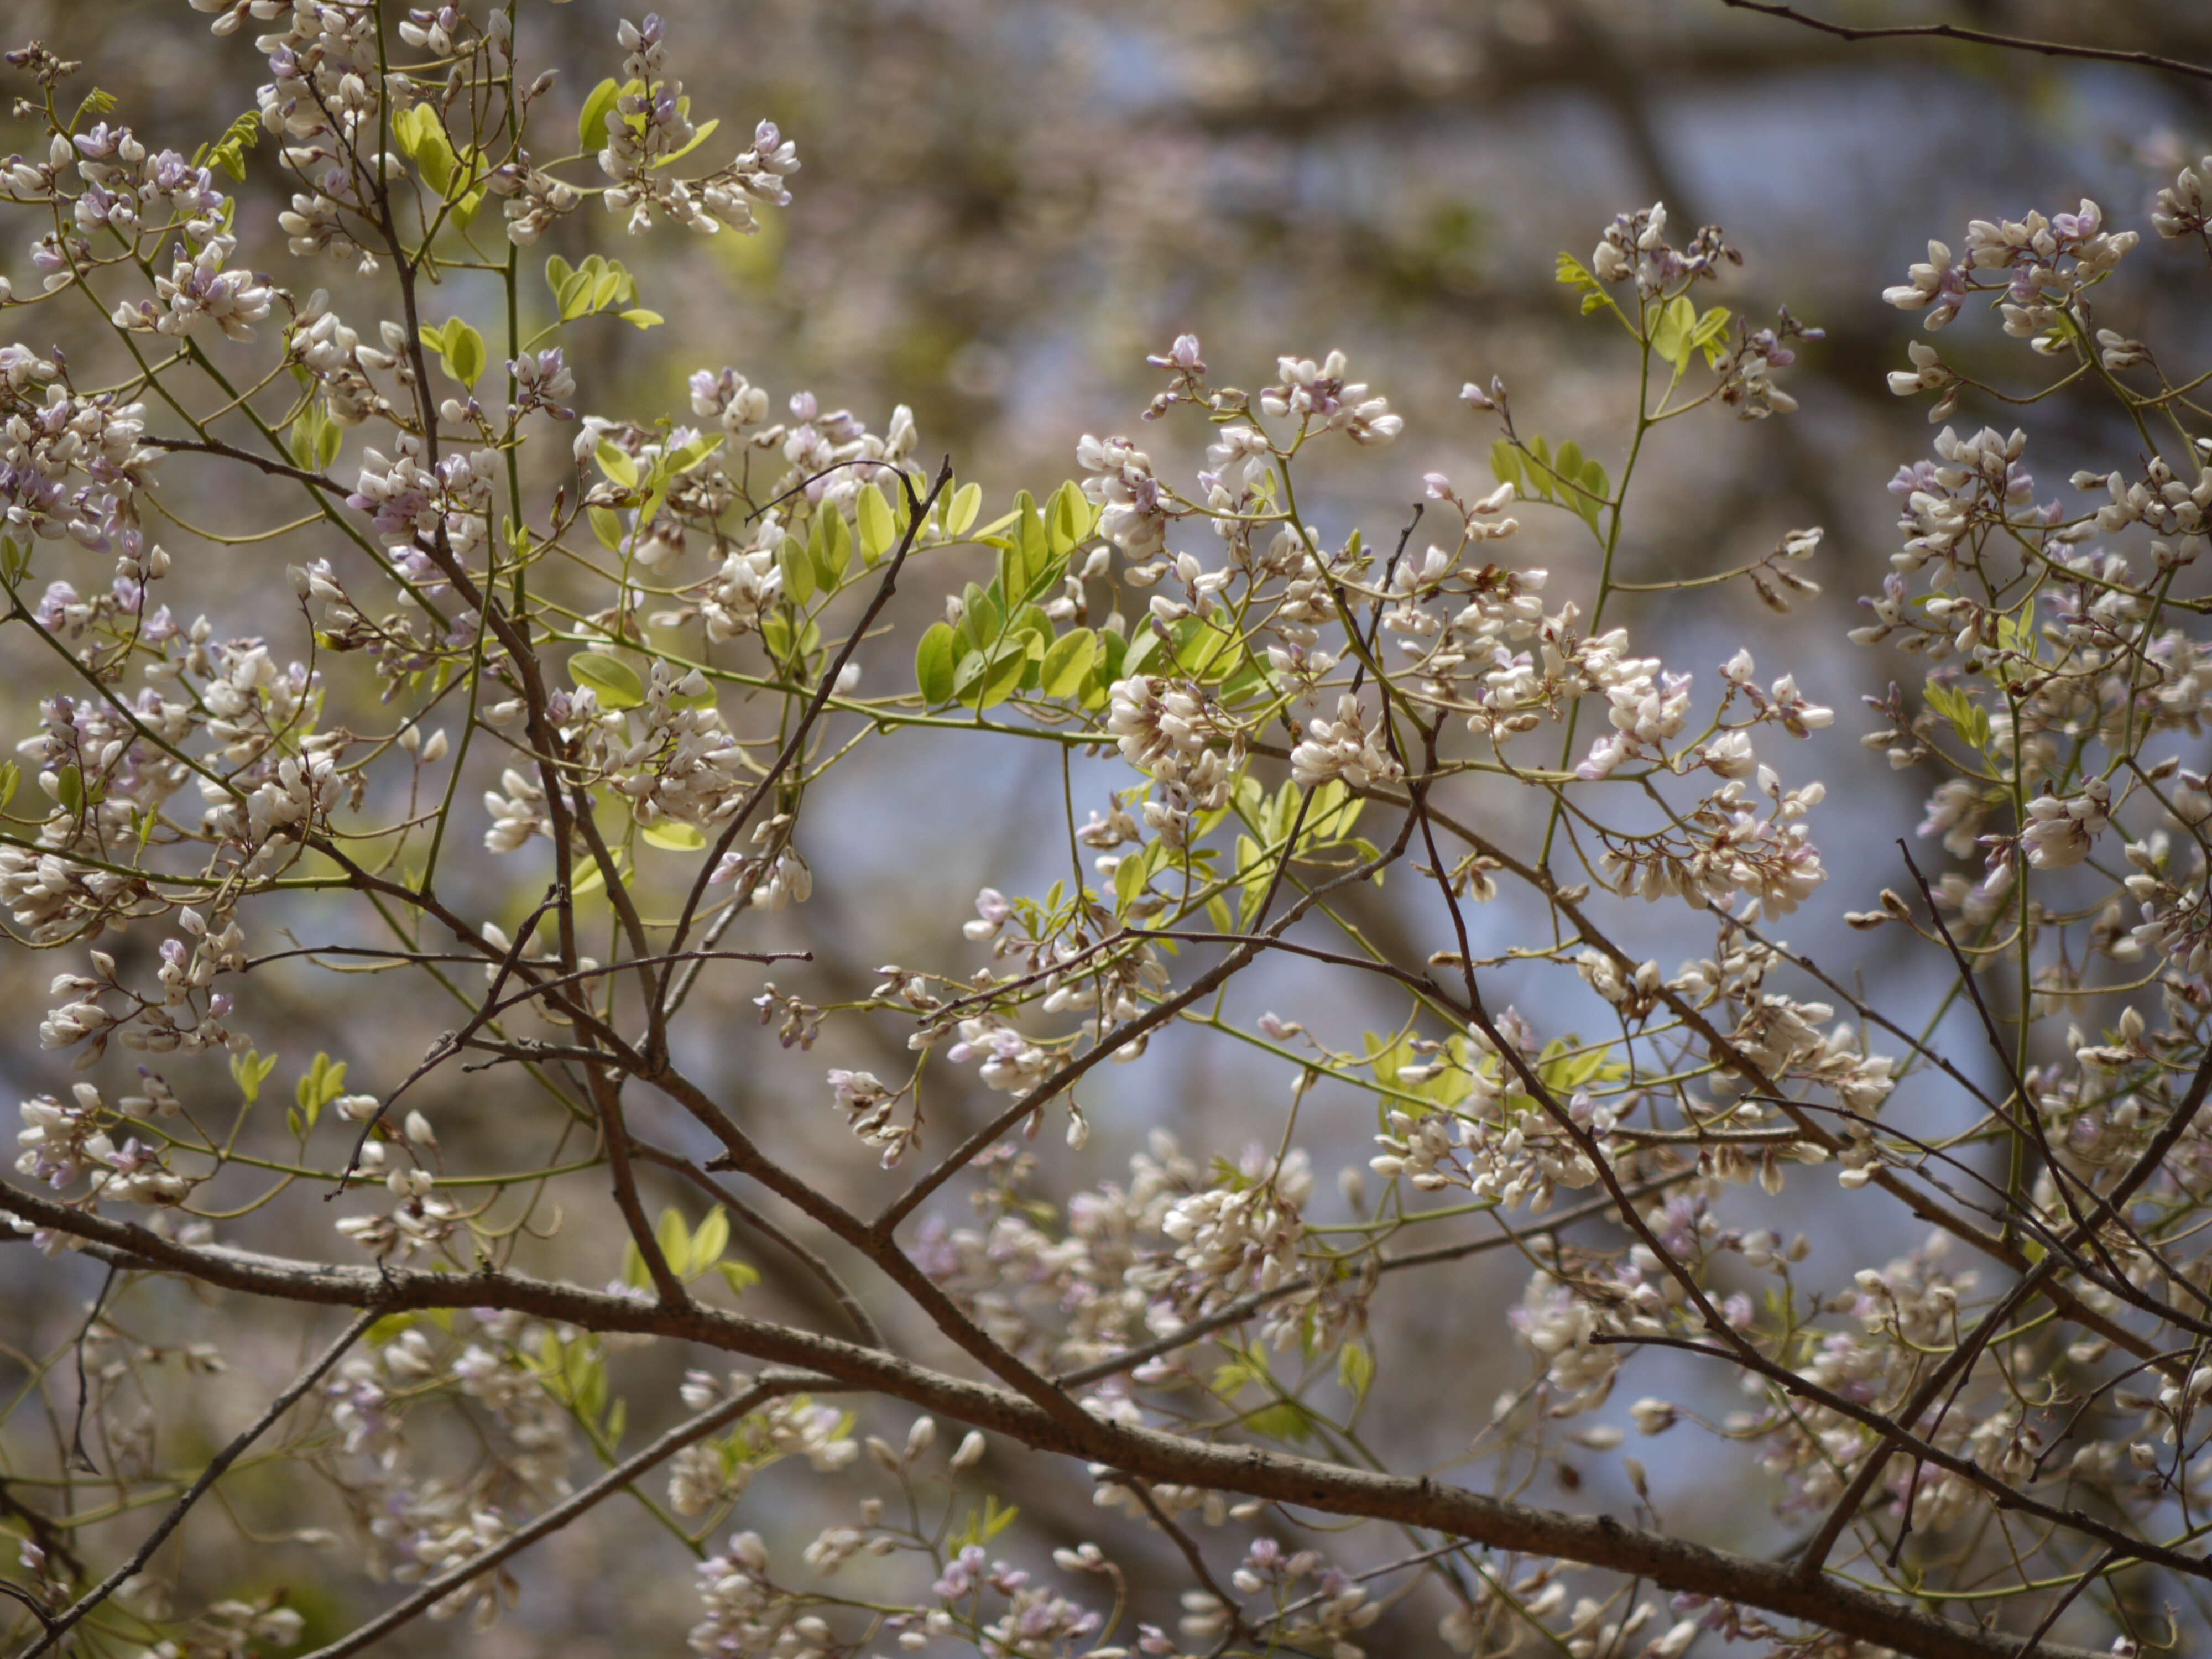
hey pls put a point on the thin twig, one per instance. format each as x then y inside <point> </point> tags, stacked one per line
<point>77,1453</point>
<point>1186,1547</point>
<point>61,1623</point>
<point>2150,60</point>
<point>683,1434</point>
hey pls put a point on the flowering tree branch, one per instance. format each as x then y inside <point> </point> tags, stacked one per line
<point>1142,1453</point>
<point>641,644</point>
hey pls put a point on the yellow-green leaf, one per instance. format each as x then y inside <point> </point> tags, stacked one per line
<point>674,1237</point>
<point>607,525</point>
<point>706,131</point>
<point>878,532</point>
<point>739,1277</point>
<point>966,502</point>
<point>1068,663</point>
<point>619,464</point>
<point>797,567</point>
<point>934,663</point>
<point>707,1243</point>
<point>614,681</point>
<point>592,125</point>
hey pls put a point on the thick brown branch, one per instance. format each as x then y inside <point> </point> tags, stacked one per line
<point>1599,1540</point>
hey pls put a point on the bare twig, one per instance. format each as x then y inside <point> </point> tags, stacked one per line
<point>2149,60</point>
<point>60,1623</point>
<point>623,1475</point>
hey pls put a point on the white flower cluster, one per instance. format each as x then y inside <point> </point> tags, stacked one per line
<point>198,291</point>
<point>1134,508</point>
<point>1320,399</point>
<point>648,127</point>
<point>2051,261</point>
<point>1351,748</point>
<point>1171,729</point>
<point>61,1142</point>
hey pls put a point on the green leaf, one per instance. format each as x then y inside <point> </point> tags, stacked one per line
<point>321,1083</point>
<point>674,1238</point>
<point>1069,519</point>
<point>420,137</point>
<point>1134,872</point>
<point>575,294</point>
<point>705,131</point>
<point>797,567</point>
<point>1140,653</point>
<point>607,525</point>
<point>1287,1420</point>
<point>614,681</point>
<point>592,125</point>
<point>461,348</point>
<point>674,837</point>
<point>1355,1369</point>
<point>465,353</point>
<point>684,457</point>
<point>1571,272</point>
<point>313,437</point>
<point>1021,549</point>
<point>878,533</point>
<point>776,635</point>
<point>738,1276</point>
<point>639,317</point>
<point>1067,664</point>
<point>934,663</point>
<point>1505,466</point>
<point>981,620</point>
<point>619,465</point>
<point>1207,652</point>
<point>1031,563</point>
<point>830,541</point>
<point>228,152</point>
<point>251,1070</point>
<point>1711,336</point>
<point>986,679</point>
<point>1670,335</point>
<point>708,1244</point>
<point>961,514</point>
<point>1385,1056</point>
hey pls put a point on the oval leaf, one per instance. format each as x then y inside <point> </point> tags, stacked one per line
<point>614,681</point>
<point>966,503</point>
<point>878,532</point>
<point>933,664</point>
<point>1068,663</point>
<point>592,125</point>
<point>797,567</point>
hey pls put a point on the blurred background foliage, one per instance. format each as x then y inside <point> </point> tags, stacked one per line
<point>1005,205</point>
